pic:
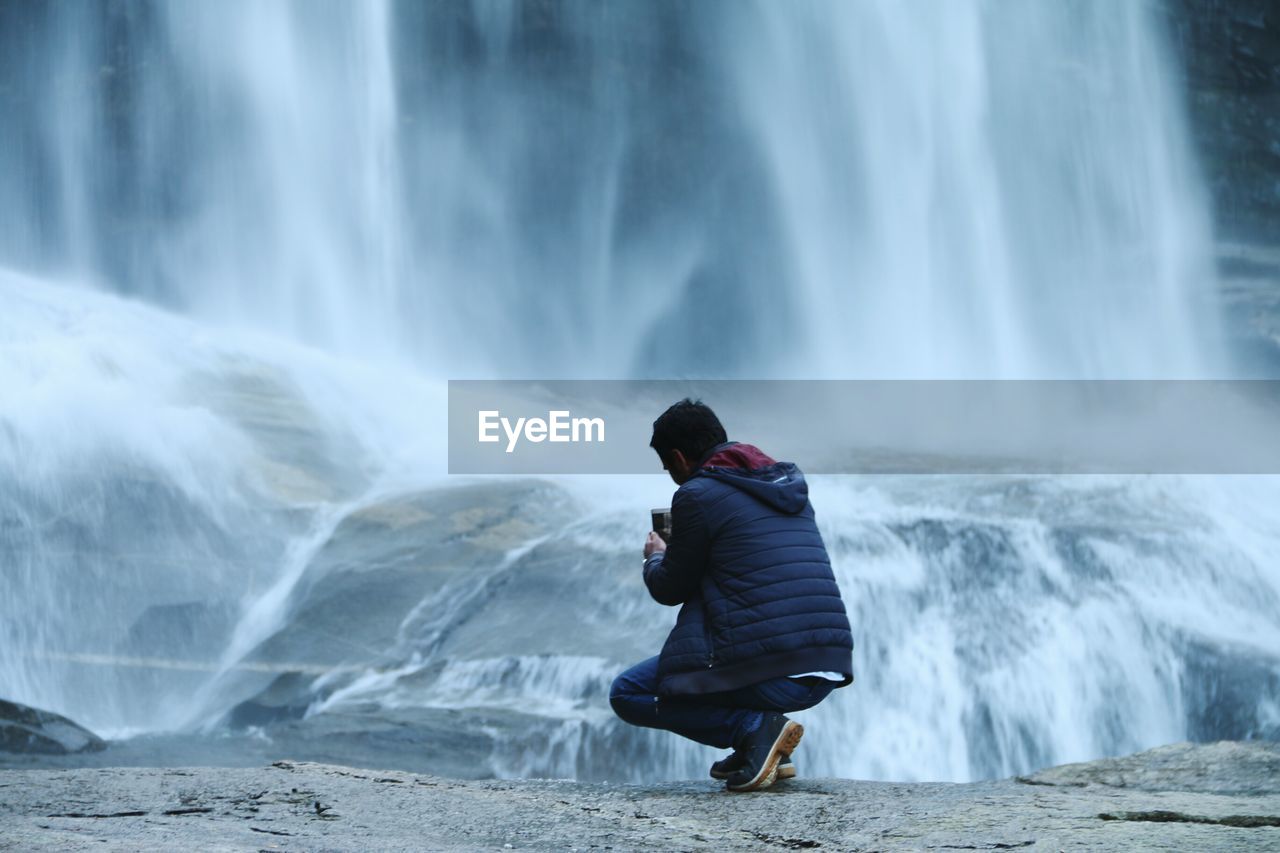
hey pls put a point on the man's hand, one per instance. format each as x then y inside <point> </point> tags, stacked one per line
<point>654,545</point>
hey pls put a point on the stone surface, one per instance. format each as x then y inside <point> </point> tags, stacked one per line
<point>294,806</point>
<point>1226,767</point>
<point>26,730</point>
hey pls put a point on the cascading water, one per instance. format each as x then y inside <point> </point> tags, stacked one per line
<point>339,205</point>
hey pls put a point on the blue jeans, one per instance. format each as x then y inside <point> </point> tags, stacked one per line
<point>721,720</point>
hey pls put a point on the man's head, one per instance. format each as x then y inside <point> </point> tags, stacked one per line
<point>683,434</point>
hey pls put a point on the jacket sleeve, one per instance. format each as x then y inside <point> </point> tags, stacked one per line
<point>672,576</point>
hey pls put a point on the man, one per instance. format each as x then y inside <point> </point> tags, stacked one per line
<point>762,630</point>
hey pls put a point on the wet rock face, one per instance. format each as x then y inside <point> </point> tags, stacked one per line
<point>24,729</point>
<point>1230,53</point>
<point>484,597</point>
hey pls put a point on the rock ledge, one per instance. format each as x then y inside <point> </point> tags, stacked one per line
<point>1168,798</point>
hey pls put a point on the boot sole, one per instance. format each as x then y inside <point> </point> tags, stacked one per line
<point>788,739</point>
<point>785,771</point>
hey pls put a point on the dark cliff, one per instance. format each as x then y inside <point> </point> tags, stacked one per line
<point>1229,52</point>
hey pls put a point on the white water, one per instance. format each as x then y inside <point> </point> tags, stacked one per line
<point>983,189</point>
<point>340,205</point>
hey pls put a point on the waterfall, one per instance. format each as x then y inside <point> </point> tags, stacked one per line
<point>957,179</point>
<point>912,190</point>
<point>243,244</point>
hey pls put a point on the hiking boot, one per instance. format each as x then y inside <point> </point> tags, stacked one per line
<point>726,767</point>
<point>762,750</point>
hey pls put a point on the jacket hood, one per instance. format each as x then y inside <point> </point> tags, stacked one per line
<point>749,469</point>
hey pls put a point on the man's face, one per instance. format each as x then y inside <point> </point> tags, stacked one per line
<point>678,467</point>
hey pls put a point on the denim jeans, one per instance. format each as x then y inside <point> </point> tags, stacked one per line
<point>716,719</point>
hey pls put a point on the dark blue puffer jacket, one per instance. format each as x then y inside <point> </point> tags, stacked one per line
<point>748,565</point>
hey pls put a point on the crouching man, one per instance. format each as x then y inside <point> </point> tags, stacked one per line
<point>762,630</point>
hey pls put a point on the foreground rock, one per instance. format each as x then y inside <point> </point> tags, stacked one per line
<point>1226,767</point>
<point>28,730</point>
<point>315,806</point>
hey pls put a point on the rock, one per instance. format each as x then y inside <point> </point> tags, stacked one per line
<point>363,585</point>
<point>285,698</point>
<point>1226,767</point>
<point>24,729</point>
<point>385,590</point>
<point>1230,54</point>
<point>317,806</point>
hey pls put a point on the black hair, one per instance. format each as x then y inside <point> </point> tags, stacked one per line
<point>690,427</point>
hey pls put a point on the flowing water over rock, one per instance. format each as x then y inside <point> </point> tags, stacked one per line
<point>253,241</point>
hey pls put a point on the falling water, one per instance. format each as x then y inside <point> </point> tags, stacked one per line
<point>245,243</point>
<point>914,189</point>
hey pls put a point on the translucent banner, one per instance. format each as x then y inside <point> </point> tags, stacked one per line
<point>878,427</point>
